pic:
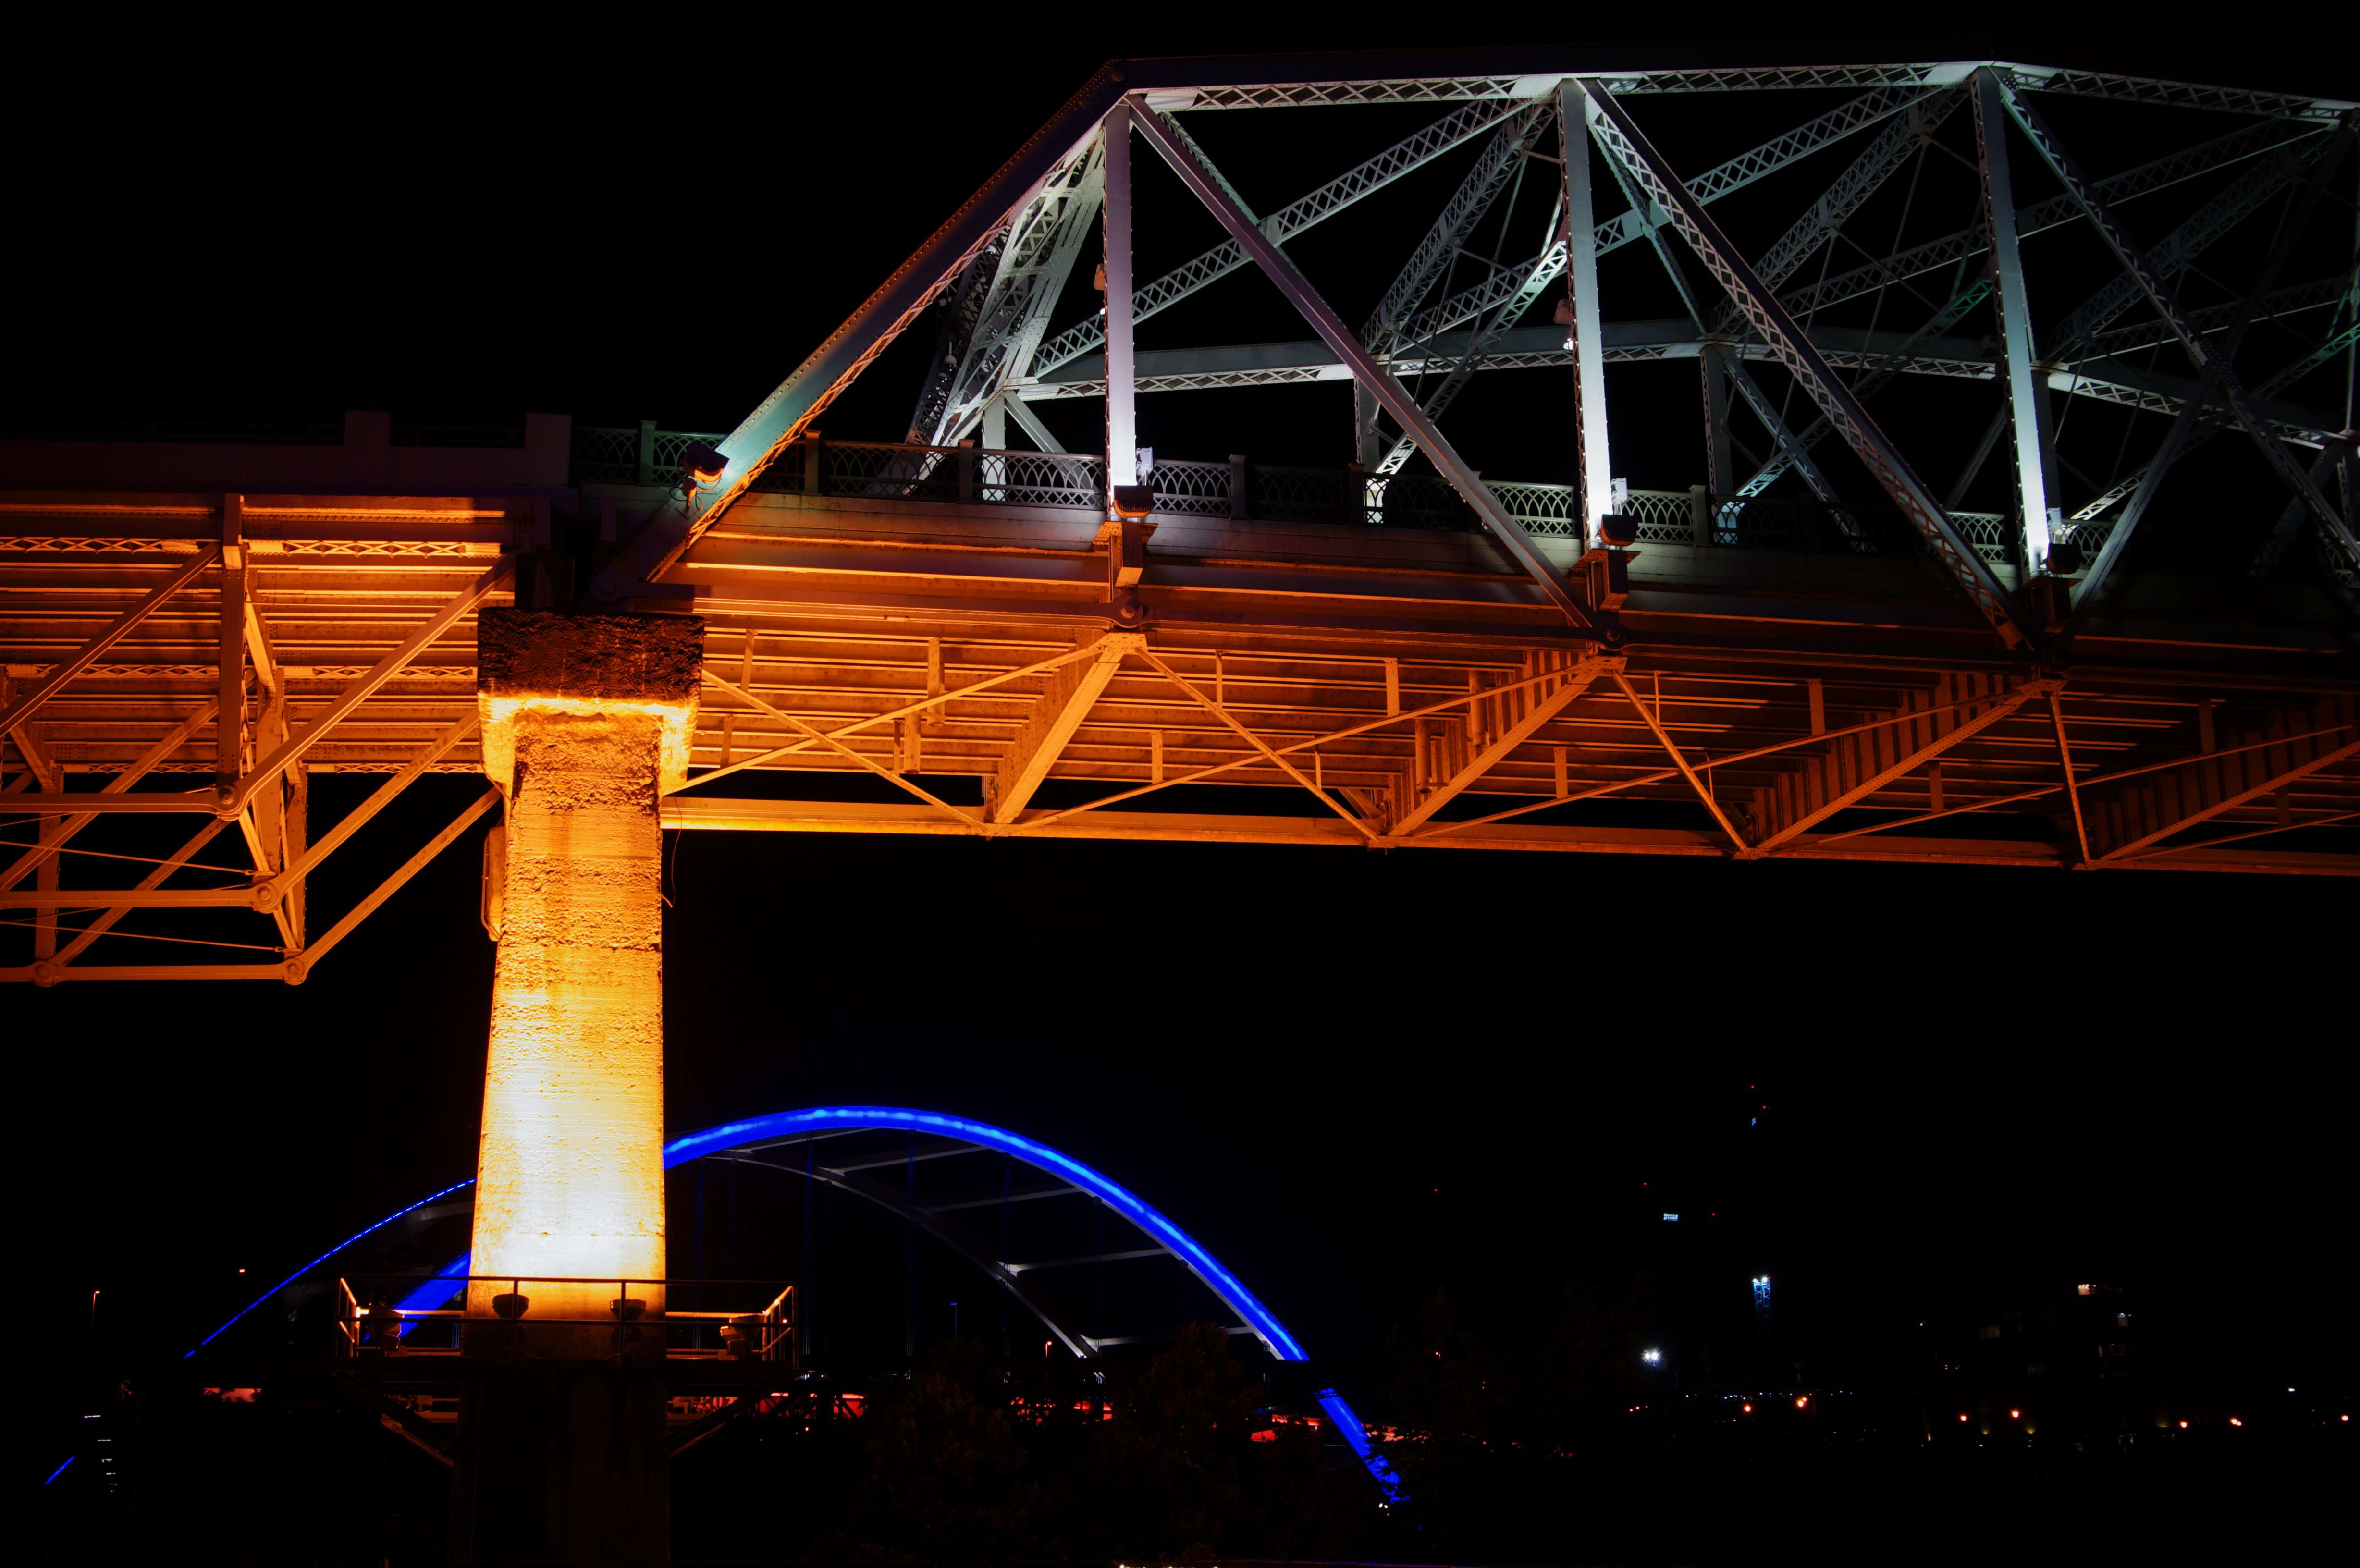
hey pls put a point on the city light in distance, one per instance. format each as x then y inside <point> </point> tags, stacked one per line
<point>1651,1358</point>
<point>2016,1415</point>
<point>1801,1400</point>
<point>2234,1421</point>
<point>1745,1410</point>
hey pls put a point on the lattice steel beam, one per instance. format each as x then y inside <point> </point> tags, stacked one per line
<point>1966,244</point>
<point>1879,161</point>
<point>1626,228</point>
<point>2174,253</point>
<point>1362,180</point>
<point>1030,266</point>
<point>1467,207</point>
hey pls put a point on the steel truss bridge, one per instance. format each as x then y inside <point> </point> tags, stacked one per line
<point>1862,625</point>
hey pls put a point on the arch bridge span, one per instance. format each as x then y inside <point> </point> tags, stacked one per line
<point>835,1153</point>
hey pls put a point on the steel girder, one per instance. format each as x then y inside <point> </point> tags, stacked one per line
<point>1524,68</point>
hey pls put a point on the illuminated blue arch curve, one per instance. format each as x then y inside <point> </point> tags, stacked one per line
<point>1040,1156</point>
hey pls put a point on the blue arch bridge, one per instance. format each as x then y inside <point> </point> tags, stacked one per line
<point>823,1145</point>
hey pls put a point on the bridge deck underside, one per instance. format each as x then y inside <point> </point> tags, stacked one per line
<point>1303,684</point>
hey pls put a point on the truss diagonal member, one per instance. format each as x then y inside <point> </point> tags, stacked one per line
<point>2204,356</point>
<point>2121,852</point>
<point>1964,244</point>
<point>1438,401</point>
<point>2065,766</point>
<point>2002,707</point>
<point>1207,183</point>
<point>1798,454</point>
<point>1644,218</point>
<point>153,879</point>
<point>928,796</point>
<point>1541,708</point>
<point>298,967</point>
<point>1408,715</point>
<point>82,658</point>
<point>784,416</point>
<point>1034,260</point>
<point>1655,723</point>
<point>1791,451</point>
<point>2178,249</point>
<point>933,700</point>
<point>54,836</point>
<point>1072,690</point>
<point>1255,740</point>
<point>1475,197</point>
<point>2290,524</point>
<point>448,614</point>
<point>1366,179</point>
<point>1621,136</point>
<point>2193,422</point>
<point>379,799</point>
<point>1866,175</point>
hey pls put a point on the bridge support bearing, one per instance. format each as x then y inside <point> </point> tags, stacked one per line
<point>586,723</point>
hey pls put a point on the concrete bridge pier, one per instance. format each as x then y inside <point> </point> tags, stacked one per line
<point>587,722</point>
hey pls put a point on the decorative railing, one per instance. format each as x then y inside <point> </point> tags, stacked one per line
<point>886,470</point>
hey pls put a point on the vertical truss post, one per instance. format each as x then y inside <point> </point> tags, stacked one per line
<point>229,723</point>
<point>1624,140</point>
<point>1720,465</point>
<point>1121,414</point>
<point>995,424</point>
<point>1593,463</point>
<point>2032,488</point>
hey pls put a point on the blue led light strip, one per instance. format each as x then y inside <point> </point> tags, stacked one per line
<point>436,1291</point>
<point>348,1241</point>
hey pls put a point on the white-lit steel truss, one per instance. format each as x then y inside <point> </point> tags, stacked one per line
<point>1794,658</point>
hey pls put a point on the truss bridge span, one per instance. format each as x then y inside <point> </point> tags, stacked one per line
<point>2117,633</point>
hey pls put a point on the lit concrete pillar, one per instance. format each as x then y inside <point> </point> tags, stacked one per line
<point>586,721</point>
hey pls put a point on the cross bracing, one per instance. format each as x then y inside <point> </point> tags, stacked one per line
<point>1441,648</point>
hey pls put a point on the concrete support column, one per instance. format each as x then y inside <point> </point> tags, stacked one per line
<point>586,721</point>
<point>561,1441</point>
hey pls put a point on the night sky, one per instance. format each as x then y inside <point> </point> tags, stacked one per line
<point>1354,1076</point>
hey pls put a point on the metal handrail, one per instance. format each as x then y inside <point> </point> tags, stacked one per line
<point>854,470</point>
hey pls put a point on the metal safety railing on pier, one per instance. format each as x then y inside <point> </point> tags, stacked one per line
<point>384,1315</point>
